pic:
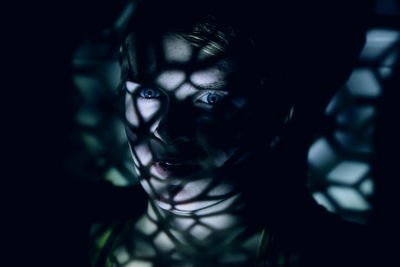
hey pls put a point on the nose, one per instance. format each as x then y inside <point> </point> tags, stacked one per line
<point>176,125</point>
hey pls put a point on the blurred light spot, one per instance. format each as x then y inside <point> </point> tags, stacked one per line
<point>363,83</point>
<point>385,72</point>
<point>92,143</point>
<point>200,232</point>
<point>322,200</point>
<point>139,263</point>
<point>146,226</point>
<point>356,116</point>
<point>378,41</point>
<point>88,117</point>
<point>117,127</point>
<point>251,244</point>
<point>176,256</point>
<point>335,103</point>
<point>352,142</point>
<point>239,102</point>
<point>183,223</point>
<point>367,187</point>
<point>348,172</point>
<point>121,254</point>
<point>179,236</point>
<point>233,258</point>
<point>89,87</point>
<point>218,222</point>
<point>90,50</point>
<point>163,242</point>
<point>115,177</point>
<point>321,155</point>
<point>391,59</point>
<point>126,13</point>
<point>128,167</point>
<point>348,198</point>
<point>143,249</point>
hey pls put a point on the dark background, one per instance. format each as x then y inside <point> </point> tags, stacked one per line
<point>49,215</point>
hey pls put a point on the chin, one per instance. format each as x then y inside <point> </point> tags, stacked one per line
<point>199,207</point>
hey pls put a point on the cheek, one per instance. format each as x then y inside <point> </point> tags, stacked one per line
<point>143,153</point>
<point>148,108</point>
<point>215,134</point>
<point>140,110</point>
<point>131,113</point>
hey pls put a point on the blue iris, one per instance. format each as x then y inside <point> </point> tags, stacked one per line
<point>147,92</point>
<point>213,98</point>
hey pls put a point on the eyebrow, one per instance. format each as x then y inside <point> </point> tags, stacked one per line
<point>219,85</point>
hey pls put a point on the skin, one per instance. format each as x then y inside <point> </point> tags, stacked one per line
<point>178,138</point>
<point>182,116</point>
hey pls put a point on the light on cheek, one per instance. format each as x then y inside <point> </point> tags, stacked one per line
<point>154,126</point>
<point>220,159</point>
<point>221,190</point>
<point>146,187</point>
<point>130,113</point>
<point>143,153</point>
<point>192,190</point>
<point>148,108</point>
<point>159,187</point>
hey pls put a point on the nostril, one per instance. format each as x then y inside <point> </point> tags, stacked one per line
<point>170,139</point>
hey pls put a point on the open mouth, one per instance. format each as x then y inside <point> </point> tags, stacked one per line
<point>176,169</point>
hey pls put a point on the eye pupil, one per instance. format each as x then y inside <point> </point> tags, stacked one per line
<point>148,93</point>
<point>213,98</point>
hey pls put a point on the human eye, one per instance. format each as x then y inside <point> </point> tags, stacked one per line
<point>149,93</point>
<point>211,98</point>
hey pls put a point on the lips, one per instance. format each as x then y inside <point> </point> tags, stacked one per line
<point>175,168</point>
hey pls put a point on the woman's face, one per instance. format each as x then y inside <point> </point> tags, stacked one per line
<point>183,118</point>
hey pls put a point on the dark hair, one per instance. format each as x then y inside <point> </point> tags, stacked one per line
<point>297,61</point>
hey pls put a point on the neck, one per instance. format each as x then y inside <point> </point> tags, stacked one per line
<point>222,227</point>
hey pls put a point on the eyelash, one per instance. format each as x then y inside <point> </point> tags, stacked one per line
<point>149,93</point>
<point>209,98</point>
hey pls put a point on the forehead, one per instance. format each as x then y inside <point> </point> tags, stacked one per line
<point>169,59</point>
